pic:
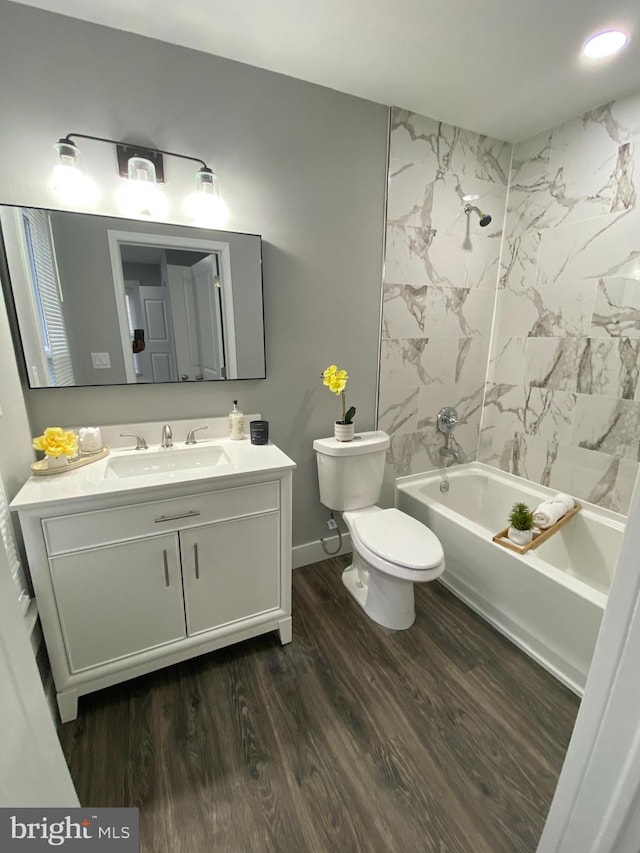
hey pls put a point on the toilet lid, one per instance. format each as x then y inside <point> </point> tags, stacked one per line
<point>400,539</point>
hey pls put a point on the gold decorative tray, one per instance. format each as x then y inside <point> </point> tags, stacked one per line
<point>41,468</point>
<point>502,538</point>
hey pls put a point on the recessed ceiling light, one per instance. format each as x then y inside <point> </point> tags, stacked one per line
<point>605,44</point>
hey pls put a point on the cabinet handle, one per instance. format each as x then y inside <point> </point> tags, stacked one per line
<point>192,512</point>
<point>196,560</point>
<point>165,560</point>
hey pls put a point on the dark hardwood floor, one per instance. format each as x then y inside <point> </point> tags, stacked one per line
<point>352,738</point>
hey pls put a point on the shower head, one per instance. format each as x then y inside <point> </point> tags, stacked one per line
<point>485,219</point>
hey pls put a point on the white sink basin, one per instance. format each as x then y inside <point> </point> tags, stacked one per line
<point>139,463</point>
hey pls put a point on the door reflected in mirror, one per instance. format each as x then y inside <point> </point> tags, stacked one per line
<point>107,301</point>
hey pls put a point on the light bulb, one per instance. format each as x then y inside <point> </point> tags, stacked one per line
<point>205,206</point>
<point>69,182</point>
<point>140,194</point>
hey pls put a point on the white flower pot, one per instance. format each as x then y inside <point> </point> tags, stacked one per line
<point>56,461</point>
<point>519,537</point>
<point>343,432</point>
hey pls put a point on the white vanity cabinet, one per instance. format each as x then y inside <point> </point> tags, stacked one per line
<point>117,600</point>
<point>230,571</point>
<point>151,577</point>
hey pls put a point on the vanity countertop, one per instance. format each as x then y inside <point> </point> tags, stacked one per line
<point>138,472</point>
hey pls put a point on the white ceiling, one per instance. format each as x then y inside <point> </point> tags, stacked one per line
<point>506,68</point>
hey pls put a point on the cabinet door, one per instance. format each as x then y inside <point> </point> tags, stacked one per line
<point>118,600</point>
<point>231,570</point>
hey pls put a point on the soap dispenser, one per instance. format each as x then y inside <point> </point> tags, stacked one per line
<point>236,423</point>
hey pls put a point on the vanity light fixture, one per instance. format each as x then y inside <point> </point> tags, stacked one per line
<point>142,169</point>
<point>204,205</point>
<point>69,181</point>
<point>140,194</point>
<point>601,45</point>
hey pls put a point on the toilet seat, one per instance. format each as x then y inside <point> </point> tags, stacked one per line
<point>396,544</point>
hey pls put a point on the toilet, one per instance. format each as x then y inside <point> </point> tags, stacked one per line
<point>391,550</point>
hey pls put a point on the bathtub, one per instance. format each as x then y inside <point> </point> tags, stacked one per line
<point>549,601</point>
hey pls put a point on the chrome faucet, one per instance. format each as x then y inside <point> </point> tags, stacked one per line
<point>141,444</point>
<point>167,436</point>
<point>449,451</point>
<point>191,438</point>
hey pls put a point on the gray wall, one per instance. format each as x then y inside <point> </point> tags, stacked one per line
<point>300,164</point>
<point>15,437</point>
<point>148,275</point>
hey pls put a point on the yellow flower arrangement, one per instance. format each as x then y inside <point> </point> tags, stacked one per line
<point>57,442</point>
<point>336,382</point>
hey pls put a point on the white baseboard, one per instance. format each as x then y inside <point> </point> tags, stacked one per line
<point>312,552</point>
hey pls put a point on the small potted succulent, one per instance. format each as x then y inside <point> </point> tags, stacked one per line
<point>520,524</point>
<point>336,382</point>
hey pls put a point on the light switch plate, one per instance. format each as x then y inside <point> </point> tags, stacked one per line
<point>100,360</point>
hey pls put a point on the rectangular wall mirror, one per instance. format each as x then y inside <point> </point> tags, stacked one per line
<point>106,301</point>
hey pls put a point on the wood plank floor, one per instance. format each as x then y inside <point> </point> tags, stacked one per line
<point>352,738</point>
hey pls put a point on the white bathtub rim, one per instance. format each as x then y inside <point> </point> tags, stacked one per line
<point>410,486</point>
<point>607,516</point>
<point>531,558</point>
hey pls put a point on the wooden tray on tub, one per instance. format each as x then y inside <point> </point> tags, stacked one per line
<point>502,538</point>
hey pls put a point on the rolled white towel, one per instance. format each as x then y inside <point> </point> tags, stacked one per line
<point>561,498</point>
<point>548,513</point>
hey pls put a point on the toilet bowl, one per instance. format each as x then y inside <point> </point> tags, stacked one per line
<point>391,550</point>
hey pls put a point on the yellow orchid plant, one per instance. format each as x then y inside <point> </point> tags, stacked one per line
<point>57,442</point>
<point>336,382</point>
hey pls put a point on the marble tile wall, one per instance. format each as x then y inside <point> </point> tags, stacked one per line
<point>441,273</point>
<point>563,395</point>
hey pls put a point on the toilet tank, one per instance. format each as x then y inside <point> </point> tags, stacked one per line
<point>350,473</point>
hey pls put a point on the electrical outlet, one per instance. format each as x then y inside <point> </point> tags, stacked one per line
<point>100,360</point>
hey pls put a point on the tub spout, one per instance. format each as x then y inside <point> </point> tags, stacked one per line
<point>449,451</point>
